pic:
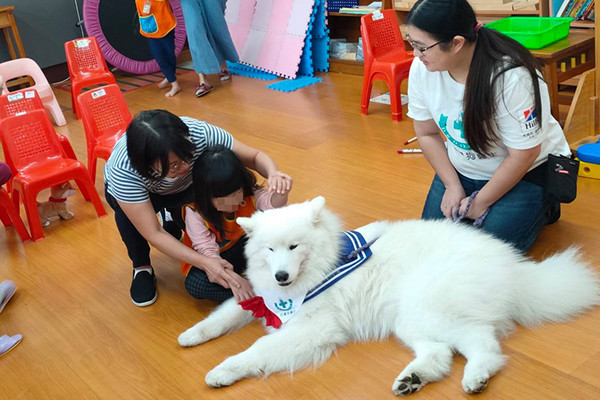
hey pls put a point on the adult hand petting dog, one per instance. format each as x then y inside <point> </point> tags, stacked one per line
<point>216,270</point>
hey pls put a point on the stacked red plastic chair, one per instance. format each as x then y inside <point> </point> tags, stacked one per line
<point>385,58</point>
<point>21,67</point>
<point>26,100</point>
<point>87,67</point>
<point>30,143</point>
<point>105,118</point>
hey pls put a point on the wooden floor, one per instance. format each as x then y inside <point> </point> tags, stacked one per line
<point>84,339</point>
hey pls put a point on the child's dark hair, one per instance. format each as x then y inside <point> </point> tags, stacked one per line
<point>218,172</point>
<point>151,136</point>
<point>445,19</point>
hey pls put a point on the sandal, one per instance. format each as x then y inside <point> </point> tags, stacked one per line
<point>203,89</point>
<point>7,343</point>
<point>224,75</point>
<point>7,289</point>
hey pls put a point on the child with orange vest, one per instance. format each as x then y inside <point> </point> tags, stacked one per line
<point>223,190</point>
<point>157,23</point>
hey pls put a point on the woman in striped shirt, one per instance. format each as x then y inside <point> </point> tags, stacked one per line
<point>150,170</point>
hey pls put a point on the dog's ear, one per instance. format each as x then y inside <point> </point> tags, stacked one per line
<point>316,205</point>
<point>245,223</point>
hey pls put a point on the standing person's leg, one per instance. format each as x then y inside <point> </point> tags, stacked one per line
<point>203,56</point>
<point>219,36</point>
<point>163,50</point>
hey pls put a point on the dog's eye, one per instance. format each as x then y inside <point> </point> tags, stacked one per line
<point>270,248</point>
<point>293,246</point>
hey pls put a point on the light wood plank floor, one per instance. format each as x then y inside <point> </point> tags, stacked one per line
<point>84,339</point>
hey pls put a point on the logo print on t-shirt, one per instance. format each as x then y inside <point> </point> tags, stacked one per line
<point>530,124</point>
<point>457,126</point>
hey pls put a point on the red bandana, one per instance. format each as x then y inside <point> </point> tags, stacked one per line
<point>260,310</point>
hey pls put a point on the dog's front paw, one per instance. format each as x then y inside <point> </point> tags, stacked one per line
<point>192,337</point>
<point>405,385</point>
<point>475,384</point>
<point>221,376</point>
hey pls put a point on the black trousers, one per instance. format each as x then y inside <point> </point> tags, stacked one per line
<point>138,248</point>
<point>198,285</point>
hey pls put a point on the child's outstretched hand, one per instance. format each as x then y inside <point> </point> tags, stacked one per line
<point>280,182</point>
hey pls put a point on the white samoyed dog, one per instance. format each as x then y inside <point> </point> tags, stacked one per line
<point>439,287</point>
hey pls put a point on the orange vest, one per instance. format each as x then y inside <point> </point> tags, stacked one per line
<point>156,22</point>
<point>233,232</point>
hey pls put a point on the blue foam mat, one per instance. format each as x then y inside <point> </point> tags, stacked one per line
<point>289,85</point>
<point>250,72</point>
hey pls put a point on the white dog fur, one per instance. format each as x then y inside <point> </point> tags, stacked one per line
<point>439,287</point>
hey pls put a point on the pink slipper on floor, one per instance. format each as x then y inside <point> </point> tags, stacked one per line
<point>7,343</point>
<point>7,289</point>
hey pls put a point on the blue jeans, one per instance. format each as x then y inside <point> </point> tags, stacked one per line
<point>517,217</point>
<point>163,50</point>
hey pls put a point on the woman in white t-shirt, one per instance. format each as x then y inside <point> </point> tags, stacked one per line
<point>484,92</point>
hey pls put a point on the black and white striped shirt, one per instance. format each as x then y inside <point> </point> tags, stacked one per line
<point>125,184</point>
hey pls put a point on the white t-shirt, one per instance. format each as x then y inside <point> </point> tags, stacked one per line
<point>437,96</point>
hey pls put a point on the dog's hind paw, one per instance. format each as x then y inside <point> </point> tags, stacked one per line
<point>475,385</point>
<point>407,385</point>
<point>219,377</point>
<point>191,337</point>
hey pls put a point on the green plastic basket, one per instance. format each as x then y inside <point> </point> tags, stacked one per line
<point>533,32</point>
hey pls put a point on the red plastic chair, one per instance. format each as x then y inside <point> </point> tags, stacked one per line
<point>30,142</point>
<point>28,100</point>
<point>86,67</point>
<point>385,58</point>
<point>105,119</point>
<point>10,216</point>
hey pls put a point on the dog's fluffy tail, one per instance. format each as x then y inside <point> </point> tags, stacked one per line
<point>556,289</point>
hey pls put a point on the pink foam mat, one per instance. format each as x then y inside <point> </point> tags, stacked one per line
<point>270,34</point>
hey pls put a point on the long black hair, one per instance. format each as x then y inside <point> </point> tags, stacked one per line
<point>151,136</point>
<point>494,54</point>
<point>218,172</point>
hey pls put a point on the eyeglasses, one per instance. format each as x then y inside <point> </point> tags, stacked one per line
<point>420,49</point>
<point>173,167</point>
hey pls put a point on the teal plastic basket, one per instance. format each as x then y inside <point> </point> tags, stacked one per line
<point>533,32</point>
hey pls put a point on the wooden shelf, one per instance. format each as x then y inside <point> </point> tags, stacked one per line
<point>350,67</point>
<point>337,14</point>
<point>582,24</point>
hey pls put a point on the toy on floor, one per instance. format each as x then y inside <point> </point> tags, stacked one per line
<point>589,157</point>
<point>56,206</point>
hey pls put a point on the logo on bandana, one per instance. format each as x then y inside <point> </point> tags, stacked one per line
<point>284,305</point>
<point>530,124</point>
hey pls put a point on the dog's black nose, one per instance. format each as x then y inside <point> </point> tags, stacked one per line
<point>282,276</point>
